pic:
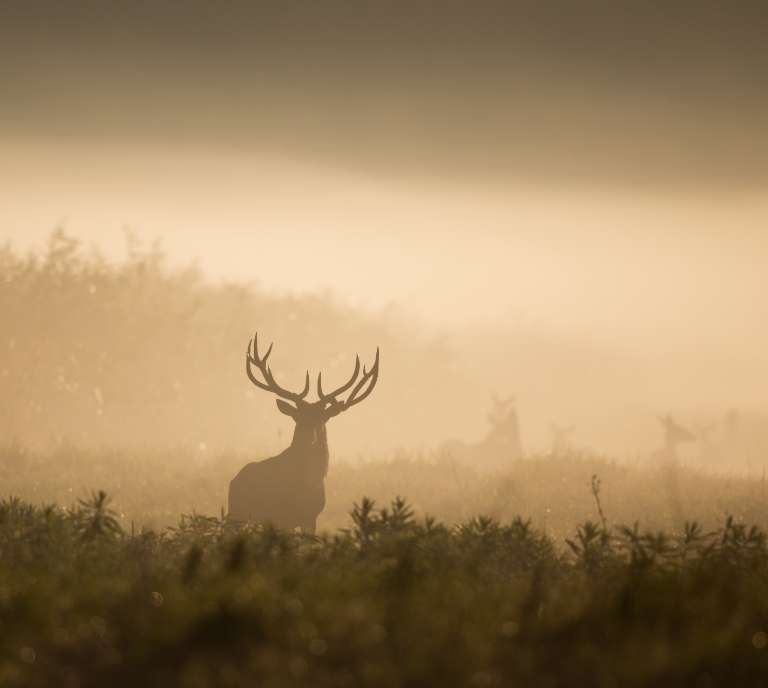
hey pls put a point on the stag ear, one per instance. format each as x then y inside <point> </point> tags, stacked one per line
<point>286,408</point>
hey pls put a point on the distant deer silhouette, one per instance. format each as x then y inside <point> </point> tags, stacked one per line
<point>288,490</point>
<point>503,438</point>
<point>502,443</point>
<point>674,435</point>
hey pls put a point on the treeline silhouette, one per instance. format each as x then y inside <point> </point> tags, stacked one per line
<point>136,354</point>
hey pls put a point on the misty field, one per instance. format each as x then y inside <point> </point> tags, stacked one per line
<point>559,571</point>
<point>152,488</point>
<point>442,558</point>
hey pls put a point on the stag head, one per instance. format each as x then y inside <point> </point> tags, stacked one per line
<point>294,404</point>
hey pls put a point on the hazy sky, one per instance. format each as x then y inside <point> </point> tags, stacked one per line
<point>594,91</point>
<point>599,167</point>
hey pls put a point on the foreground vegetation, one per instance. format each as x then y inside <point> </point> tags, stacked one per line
<point>391,601</point>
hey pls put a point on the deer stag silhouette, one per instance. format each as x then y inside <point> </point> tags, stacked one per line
<point>288,490</point>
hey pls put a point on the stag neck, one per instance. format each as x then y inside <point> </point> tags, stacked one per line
<point>307,434</point>
<point>310,445</point>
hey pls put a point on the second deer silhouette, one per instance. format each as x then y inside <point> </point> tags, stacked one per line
<point>288,490</point>
<point>674,435</point>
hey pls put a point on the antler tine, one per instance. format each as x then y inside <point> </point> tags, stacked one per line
<point>270,384</point>
<point>340,390</point>
<point>371,376</point>
<point>304,391</point>
<point>249,359</point>
<point>255,356</point>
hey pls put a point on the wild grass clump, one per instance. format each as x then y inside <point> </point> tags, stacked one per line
<point>392,600</point>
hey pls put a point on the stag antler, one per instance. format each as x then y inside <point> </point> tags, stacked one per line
<point>252,358</point>
<point>360,391</point>
<point>341,389</point>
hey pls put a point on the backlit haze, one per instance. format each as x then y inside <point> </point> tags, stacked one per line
<point>587,194</point>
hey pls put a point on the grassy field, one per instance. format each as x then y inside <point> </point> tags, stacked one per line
<point>390,601</point>
<point>556,585</point>
<point>152,488</point>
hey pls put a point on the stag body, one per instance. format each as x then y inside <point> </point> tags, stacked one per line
<point>288,490</point>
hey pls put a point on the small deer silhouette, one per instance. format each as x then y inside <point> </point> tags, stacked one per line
<point>674,435</point>
<point>288,490</point>
<point>500,446</point>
